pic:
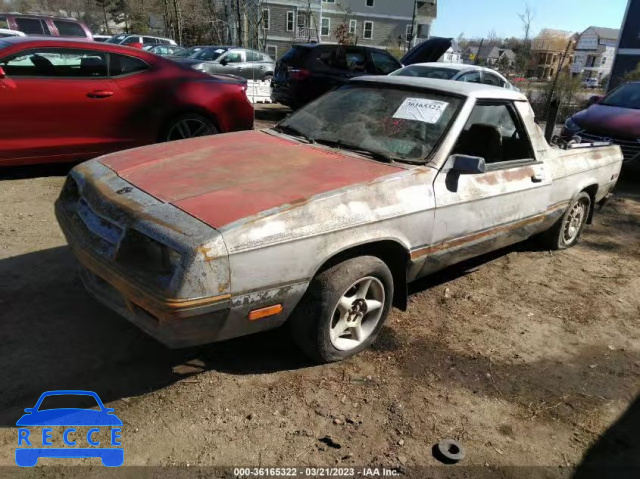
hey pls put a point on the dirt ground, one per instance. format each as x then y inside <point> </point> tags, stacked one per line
<point>527,357</point>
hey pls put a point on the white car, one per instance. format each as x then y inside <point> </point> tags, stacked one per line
<point>126,39</point>
<point>5,32</point>
<point>590,83</point>
<point>455,72</point>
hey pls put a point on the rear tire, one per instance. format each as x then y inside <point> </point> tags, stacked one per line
<point>188,125</point>
<point>343,310</point>
<point>567,230</point>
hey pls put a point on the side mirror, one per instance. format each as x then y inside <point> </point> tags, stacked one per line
<point>28,410</point>
<point>224,62</point>
<point>594,99</point>
<point>469,165</point>
<point>139,46</point>
<point>2,73</point>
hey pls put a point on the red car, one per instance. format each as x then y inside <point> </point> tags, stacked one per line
<point>66,100</point>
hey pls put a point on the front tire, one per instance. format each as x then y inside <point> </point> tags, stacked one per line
<point>343,310</point>
<point>190,125</point>
<point>566,232</point>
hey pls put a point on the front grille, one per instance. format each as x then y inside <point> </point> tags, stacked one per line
<point>630,148</point>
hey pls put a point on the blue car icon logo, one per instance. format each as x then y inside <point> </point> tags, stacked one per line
<point>29,451</point>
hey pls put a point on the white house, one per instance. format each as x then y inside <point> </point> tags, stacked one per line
<point>452,55</point>
<point>595,52</point>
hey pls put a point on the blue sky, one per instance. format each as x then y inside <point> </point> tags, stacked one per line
<point>477,17</point>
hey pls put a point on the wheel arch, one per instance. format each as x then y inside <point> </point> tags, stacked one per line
<point>592,191</point>
<point>395,255</point>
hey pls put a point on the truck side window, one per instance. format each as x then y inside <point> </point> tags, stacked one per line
<point>495,133</point>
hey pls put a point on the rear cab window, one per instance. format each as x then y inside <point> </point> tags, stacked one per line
<point>294,56</point>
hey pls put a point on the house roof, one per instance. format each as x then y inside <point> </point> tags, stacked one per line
<point>608,33</point>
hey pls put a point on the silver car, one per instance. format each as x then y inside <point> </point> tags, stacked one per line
<point>455,72</point>
<point>215,60</point>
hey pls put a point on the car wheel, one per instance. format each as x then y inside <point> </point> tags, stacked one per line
<point>566,232</point>
<point>191,125</point>
<point>343,309</point>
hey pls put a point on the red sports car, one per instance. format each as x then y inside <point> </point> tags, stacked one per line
<point>67,100</point>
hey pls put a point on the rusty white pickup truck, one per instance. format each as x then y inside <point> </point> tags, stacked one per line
<point>323,220</point>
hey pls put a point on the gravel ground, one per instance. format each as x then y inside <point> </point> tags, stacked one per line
<point>527,357</point>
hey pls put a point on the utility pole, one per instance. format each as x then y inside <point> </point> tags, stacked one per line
<point>413,24</point>
<point>477,58</point>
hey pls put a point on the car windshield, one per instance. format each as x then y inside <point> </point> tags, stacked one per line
<point>187,52</point>
<point>627,96</point>
<point>117,38</point>
<point>63,401</point>
<point>389,123</point>
<point>440,73</point>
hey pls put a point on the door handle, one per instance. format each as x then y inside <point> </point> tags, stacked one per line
<point>239,69</point>
<point>100,94</point>
<point>537,177</point>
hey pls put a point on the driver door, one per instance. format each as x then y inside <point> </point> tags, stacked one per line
<point>480,212</point>
<point>234,63</point>
<point>54,104</point>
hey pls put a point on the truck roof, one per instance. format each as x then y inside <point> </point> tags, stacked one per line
<point>474,90</point>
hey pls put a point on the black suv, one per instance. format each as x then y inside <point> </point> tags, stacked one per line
<point>307,71</point>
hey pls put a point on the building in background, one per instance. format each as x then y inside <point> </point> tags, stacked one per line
<point>628,52</point>
<point>595,52</point>
<point>452,55</point>
<point>547,52</point>
<point>378,23</point>
<point>490,55</point>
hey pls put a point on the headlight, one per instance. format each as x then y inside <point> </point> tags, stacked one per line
<point>198,66</point>
<point>571,125</point>
<point>145,254</point>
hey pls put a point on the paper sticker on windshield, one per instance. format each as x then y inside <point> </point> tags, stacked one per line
<point>420,109</point>
<point>219,50</point>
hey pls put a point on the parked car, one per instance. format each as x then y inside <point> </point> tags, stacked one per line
<point>126,39</point>
<point>163,50</point>
<point>65,100</point>
<point>242,62</point>
<point>613,118</point>
<point>101,38</point>
<point>455,72</point>
<point>46,25</point>
<point>5,32</point>
<point>322,221</point>
<point>590,83</point>
<point>307,71</point>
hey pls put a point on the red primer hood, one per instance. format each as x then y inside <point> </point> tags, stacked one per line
<point>225,178</point>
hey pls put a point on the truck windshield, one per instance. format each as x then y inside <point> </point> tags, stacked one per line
<point>389,122</point>
<point>627,96</point>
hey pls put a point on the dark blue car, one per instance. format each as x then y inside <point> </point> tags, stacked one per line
<point>28,456</point>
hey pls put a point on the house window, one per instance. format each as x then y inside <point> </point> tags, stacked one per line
<point>272,51</point>
<point>369,3</point>
<point>265,19</point>
<point>368,30</point>
<point>325,27</point>
<point>604,60</point>
<point>291,21</point>
<point>408,32</point>
<point>328,1</point>
<point>353,27</point>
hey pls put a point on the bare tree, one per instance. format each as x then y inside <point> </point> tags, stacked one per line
<point>526,18</point>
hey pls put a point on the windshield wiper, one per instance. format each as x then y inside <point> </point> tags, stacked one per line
<point>291,131</point>
<point>373,154</point>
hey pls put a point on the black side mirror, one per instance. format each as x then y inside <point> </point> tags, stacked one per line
<point>594,99</point>
<point>224,62</point>
<point>469,165</point>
